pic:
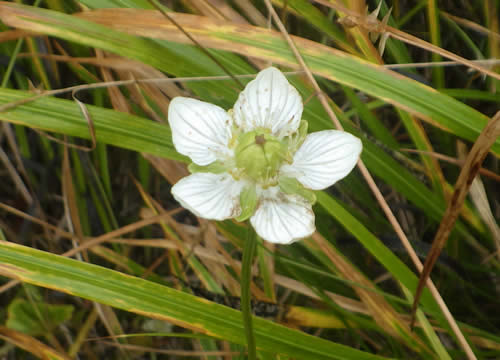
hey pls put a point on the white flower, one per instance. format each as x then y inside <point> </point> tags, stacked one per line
<point>257,161</point>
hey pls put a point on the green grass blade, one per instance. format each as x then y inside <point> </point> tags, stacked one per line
<point>153,300</point>
<point>111,127</point>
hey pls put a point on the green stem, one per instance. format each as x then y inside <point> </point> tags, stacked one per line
<point>246,280</point>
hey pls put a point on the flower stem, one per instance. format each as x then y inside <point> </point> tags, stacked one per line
<point>246,297</point>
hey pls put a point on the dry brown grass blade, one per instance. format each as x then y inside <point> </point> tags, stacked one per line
<point>486,62</point>
<point>31,345</point>
<point>69,198</point>
<point>228,11</point>
<point>453,160</point>
<point>194,41</point>
<point>492,9</point>
<point>10,35</point>
<point>471,25</point>
<point>378,195</point>
<point>413,40</point>
<point>224,12</point>
<point>373,25</point>
<point>171,170</point>
<point>469,171</point>
<point>381,311</point>
<point>42,223</point>
<point>79,68</point>
<point>18,171</point>
<point>121,231</point>
<point>83,332</point>
<point>205,8</point>
<point>219,271</point>
<point>116,63</point>
<point>218,9</point>
<point>136,71</point>
<point>162,243</point>
<point>480,199</point>
<point>118,100</point>
<point>154,208</point>
<point>16,178</point>
<point>251,12</point>
<point>16,153</point>
<point>112,324</point>
<point>342,301</point>
<point>485,343</point>
<point>63,142</point>
<point>160,94</point>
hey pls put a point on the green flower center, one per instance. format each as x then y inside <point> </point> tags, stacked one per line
<point>259,155</point>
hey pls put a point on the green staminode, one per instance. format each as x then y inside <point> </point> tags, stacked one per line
<point>260,155</point>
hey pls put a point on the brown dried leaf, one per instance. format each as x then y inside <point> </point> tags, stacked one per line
<point>31,345</point>
<point>118,100</point>
<point>469,171</point>
<point>381,311</point>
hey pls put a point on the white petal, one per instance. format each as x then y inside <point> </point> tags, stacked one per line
<point>210,196</point>
<point>324,158</point>
<point>282,218</point>
<point>199,130</point>
<point>271,102</point>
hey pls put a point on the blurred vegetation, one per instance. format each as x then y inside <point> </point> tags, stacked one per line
<point>86,173</point>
